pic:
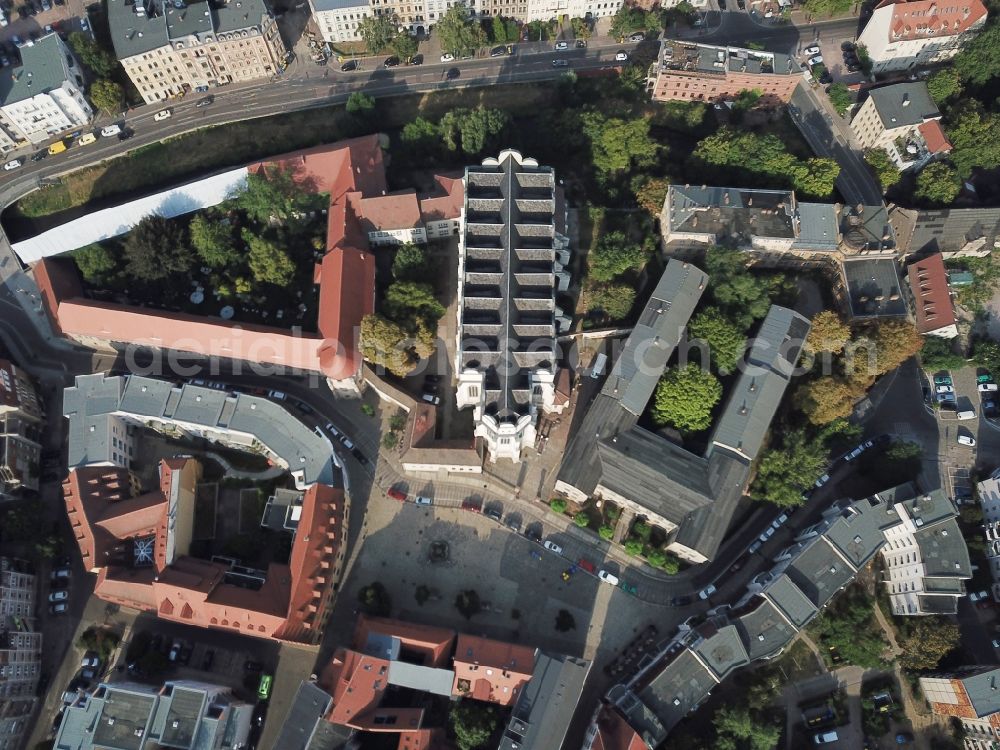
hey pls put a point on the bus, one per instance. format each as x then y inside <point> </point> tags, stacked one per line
<point>264,689</point>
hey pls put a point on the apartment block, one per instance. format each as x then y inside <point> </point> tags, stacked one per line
<point>18,395</point>
<point>686,71</point>
<point>513,257</point>
<point>20,455</point>
<point>972,697</point>
<point>338,20</point>
<point>20,651</point>
<point>903,35</point>
<point>181,713</point>
<point>989,500</point>
<point>902,120</point>
<point>170,48</point>
<point>42,97</point>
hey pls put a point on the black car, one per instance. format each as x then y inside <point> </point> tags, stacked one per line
<point>581,44</point>
<point>360,457</point>
<point>391,62</point>
<point>533,534</point>
<point>826,78</point>
<point>39,155</point>
<point>680,601</point>
<point>204,102</point>
<point>494,513</point>
<point>126,134</point>
<point>847,46</point>
<point>498,51</point>
<point>453,73</point>
<point>348,66</point>
<point>416,60</point>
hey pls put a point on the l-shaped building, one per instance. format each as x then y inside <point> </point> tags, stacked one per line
<point>138,543</point>
<point>691,496</point>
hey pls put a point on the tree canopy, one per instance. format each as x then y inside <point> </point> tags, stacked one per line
<point>457,33</point>
<point>271,193</point>
<point>685,397</point>
<point>377,32</point>
<point>628,20</point>
<point>268,262</point>
<point>411,263</point>
<point>404,45</point>
<point>979,61</point>
<point>613,255</point>
<point>156,248</point>
<point>726,341</point>
<point>615,300</point>
<point>100,62</point>
<point>616,144</point>
<point>737,728</point>
<point>945,84</point>
<point>650,194</point>
<point>927,641</point>
<point>938,183</point>
<point>213,241</point>
<point>840,97</point>
<point>472,722</point>
<point>937,354</point>
<point>827,398</point>
<point>410,299</point>
<point>472,130</point>
<point>885,170</point>
<point>95,262</point>
<point>785,473</point>
<point>742,295</point>
<point>848,626</point>
<point>387,344</point>
<point>974,136</point>
<point>107,95</point>
<point>360,103</point>
<point>829,333</point>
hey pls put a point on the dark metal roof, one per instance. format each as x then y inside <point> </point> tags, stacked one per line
<point>545,708</point>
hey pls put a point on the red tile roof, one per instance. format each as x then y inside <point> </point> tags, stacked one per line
<point>614,733</point>
<point>937,142</point>
<point>931,19</point>
<point>931,295</point>
<point>446,201</point>
<point>491,670</point>
<point>384,212</point>
<point>433,644</point>
<point>346,296</point>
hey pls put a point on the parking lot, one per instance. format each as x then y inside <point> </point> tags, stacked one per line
<point>833,58</point>
<point>64,16</point>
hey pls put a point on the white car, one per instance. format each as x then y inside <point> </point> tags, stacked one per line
<point>59,596</point>
<point>621,56</point>
<point>944,389</point>
<point>766,534</point>
<point>966,440</point>
<point>755,545</point>
<point>109,130</point>
<point>12,164</point>
<point>778,522</point>
<point>332,430</point>
<point>552,547</point>
<point>347,442</point>
<point>562,46</point>
<point>822,480</point>
<point>707,591</point>
<point>447,57</point>
<point>421,500</point>
<point>608,577</point>
<point>163,114</point>
<point>814,61</point>
<point>987,387</point>
<point>812,49</point>
<point>996,643</point>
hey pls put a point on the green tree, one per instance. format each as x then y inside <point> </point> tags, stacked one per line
<point>975,137</point>
<point>95,262</point>
<point>987,354</point>
<point>828,398</point>
<point>928,640</point>
<point>938,183</point>
<point>979,61</point>
<point>157,247</point>
<point>405,300</point>
<point>410,263</point>
<point>685,397</point>
<point>743,296</point>
<point>945,84</point>
<point>736,727</point>
<point>840,97</point>
<point>849,627</point>
<point>360,103</point>
<point>617,145</point>
<point>937,354</point>
<point>468,604</point>
<point>827,7</point>
<point>374,600</point>
<point>107,95</point>
<point>628,20</point>
<point>885,170</point>
<point>558,505</point>
<point>726,341</point>
<point>377,32</point>
<point>387,344</point>
<point>271,193</point>
<point>784,473</point>
<point>613,255</point>
<point>91,54</point>
<point>606,532</point>
<point>268,262</point>
<point>213,241</point>
<point>817,177</point>
<point>457,33</point>
<point>616,300</point>
<point>829,333</point>
<point>582,519</point>
<point>421,135</point>
<point>581,28</point>
<point>473,723</point>
<point>404,45</point>
<point>471,130</point>
<point>650,194</point>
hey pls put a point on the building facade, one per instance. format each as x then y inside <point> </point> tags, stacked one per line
<point>44,96</point>
<point>903,35</point>
<point>21,413</point>
<point>686,71</point>
<point>969,696</point>
<point>509,270</point>
<point>902,120</point>
<point>20,651</point>
<point>170,49</point>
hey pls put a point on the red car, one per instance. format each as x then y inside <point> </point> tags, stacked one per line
<point>587,565</point>
<point>473,504</point>
<point>396,495</point>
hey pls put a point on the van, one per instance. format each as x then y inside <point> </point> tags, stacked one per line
<point>967,414</point>
<point>57,148</point>
<point>86,139</point>
<point>600,362</point>
<point>824,738</point>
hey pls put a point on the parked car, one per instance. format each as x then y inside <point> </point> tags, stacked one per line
<point>904,738</point>
<point>560,46</point>
<point>621,56</point>
<point>59,608</point>
<point>416,60</point>
<point>453,73</point>
<point>204,102</point>
<point>447,57</point>
<point>59,596</point>
<point>680,601</point>
<point>812,49</point>
<point>608,577</point>
<point>944,389</point>
<point>942,380</point>
<point>984,377</point>
<point>109,130</point>
<point>766,534</point>
<point>560,63</point>
<point>396,494</point>
<point>163,114</point>
<point>391,62</point>
<point>58,573</point>
<point>532,533</point>
<point>175,651</point>
<point>967,440</point>
<point>552,546</point>
<point>986,387</point>
<point>815,60</point>
<point>421,500</point>
<point>825,738</point>
<point>494,513</point>
<point>348,66</point>
<point>754,546</point>
<point>637,37</point>
<point>346,442</point>
<point>581,44</point>
<point>514,523</point>
<point>472,504</point>
<point>707,591</point>
<point>12,164</point>
<point>498,51</point>
<point>822,480</point>
<point>778,522</point>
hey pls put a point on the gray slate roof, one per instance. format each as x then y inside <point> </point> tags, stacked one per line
<point>682,684</point>
<point>418,677</point>
<point>546,705</point>
<point>789,598</point>
<point>721,649</point>
<point>704,529</point>
<point>903,104</point>
<point>950,229</point>
<point>857,532</point>
<point>305,727</point>
<point>983,691</point>
<point>87,406</point>
<point>873,286</point>
<point>42,69</point>
<point>764,629</point>
<point>819,572</point>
